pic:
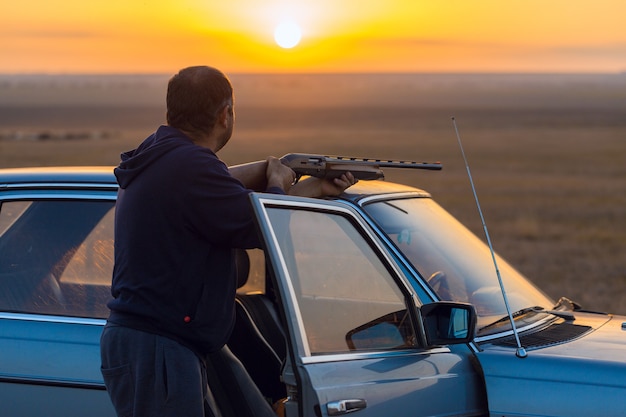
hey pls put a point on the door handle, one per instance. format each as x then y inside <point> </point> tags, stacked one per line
<point>337,408</point>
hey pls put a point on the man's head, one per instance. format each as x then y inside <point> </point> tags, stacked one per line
<point>197,98</point>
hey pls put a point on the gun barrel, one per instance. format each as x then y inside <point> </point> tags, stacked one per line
<point>385,163</point>
<point>323,166</point>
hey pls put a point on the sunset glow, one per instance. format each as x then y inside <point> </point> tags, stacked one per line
<point>102,36</point>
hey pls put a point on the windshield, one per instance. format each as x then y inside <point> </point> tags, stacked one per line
<point>457,265</point>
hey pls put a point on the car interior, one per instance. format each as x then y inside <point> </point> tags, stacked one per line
<point>53,257</point>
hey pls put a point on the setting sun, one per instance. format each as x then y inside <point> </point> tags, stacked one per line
<point>287,34</point>
<point>103,36</point>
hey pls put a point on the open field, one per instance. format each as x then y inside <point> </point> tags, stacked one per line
<point>547,152</point>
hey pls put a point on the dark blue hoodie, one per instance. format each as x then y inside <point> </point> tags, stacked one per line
<point>179,213</point>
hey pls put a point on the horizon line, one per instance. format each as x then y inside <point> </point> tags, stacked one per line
<point>322,73</point>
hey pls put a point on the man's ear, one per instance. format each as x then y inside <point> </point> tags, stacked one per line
<point>224,116</point>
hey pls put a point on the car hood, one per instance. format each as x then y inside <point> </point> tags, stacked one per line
<point>582,376</point>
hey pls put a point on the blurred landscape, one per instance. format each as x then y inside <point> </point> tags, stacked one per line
<point>547,152</point>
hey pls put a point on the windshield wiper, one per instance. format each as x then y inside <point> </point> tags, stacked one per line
<point>518,313</point>
<point>567,315</point>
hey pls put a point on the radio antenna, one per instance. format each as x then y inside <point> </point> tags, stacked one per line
<point>520,352</point>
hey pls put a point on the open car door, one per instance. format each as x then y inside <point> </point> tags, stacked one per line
<point>356,342</point>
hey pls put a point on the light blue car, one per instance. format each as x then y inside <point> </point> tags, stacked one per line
<point>377,303</point>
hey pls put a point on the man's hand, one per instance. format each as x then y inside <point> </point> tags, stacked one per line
<point>279,175</point>
<point>338,185</point>
<point>317,187</point>
<point>262,175</point>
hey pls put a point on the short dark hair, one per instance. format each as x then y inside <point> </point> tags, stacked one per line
<point>195,96</point>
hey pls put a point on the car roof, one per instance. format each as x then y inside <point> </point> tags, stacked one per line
<point>48,175</point>
<point>103,175</point>
<point>379,188</point>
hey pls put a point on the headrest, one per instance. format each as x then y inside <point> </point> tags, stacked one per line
<point>242,266</point>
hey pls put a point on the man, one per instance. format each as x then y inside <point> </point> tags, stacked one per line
<point>180,212</point>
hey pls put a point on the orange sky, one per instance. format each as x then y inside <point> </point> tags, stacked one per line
<point>161,36</point>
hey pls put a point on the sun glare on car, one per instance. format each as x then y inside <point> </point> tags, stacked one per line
<point>287,34</point>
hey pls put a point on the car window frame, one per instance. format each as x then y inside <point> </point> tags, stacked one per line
<point>293,320</point>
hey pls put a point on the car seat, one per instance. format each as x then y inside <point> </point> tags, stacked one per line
<point>258,339</point>
<point>234,392</point>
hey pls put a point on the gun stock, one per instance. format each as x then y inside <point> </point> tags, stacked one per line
<point>322,166</point>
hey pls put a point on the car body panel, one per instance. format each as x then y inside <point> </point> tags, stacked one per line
<point>581,377</point>
<point>407,384</point>
<point>30,346</point>
<point>49,367</point>
<point>53,401</point>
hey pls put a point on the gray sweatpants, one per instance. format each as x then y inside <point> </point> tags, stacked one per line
<point>147,375</point>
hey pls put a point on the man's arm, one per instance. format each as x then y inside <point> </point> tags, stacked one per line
<point>252,175</point>
<point>263,175</point>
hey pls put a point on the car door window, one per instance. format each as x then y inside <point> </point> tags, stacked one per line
<point>346,295</point>
<point>56,257</point>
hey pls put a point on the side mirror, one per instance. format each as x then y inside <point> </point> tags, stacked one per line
<point>447,323</point>
<point>391,331</point>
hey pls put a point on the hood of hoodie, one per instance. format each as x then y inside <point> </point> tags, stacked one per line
<point>154,147</point>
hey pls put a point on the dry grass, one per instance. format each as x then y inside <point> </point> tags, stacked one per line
<point>548,155</point>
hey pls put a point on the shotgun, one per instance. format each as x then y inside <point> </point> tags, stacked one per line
<point>330,167</point>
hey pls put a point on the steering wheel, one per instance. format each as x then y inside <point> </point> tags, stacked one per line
<point>438,281</point>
